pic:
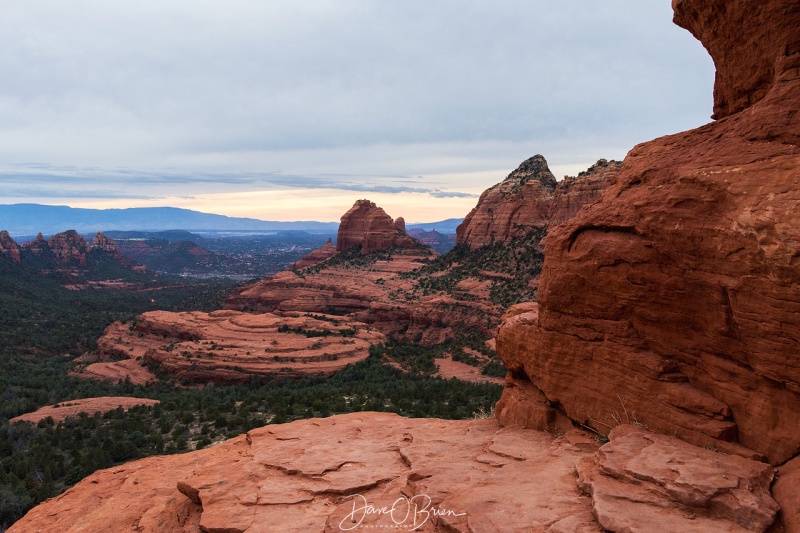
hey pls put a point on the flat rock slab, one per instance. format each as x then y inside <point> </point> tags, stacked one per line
<point>344,473</point>
<point>645,482</point>
<point>376,471</point>
<point>90,406</point>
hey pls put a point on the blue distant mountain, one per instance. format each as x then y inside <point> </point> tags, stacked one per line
<point>30,219</point>
<point>27,219</point>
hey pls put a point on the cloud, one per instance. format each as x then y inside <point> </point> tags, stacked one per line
<point>202,97</point>
<point>39,181</point>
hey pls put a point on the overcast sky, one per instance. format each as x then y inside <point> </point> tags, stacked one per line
<point>292,110</point>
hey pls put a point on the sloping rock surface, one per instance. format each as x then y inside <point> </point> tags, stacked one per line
<point>347,473</point>
<point>323,253</point>
<point>676,297</point>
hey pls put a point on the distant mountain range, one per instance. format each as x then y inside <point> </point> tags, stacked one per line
<point>30,219</point>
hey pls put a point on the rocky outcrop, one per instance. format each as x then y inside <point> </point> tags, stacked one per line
<point>69,249</point>
<point>531,198</point>
<point>106,245</point>
<point>674,299</point>
<point>323,253</point>
<point>751,49</point>
<point>37,245</point>
<point>230,347</point>
<point>375,292</point>
<point>336,474</point>
<point>573,193</point>
<point>368,225</point>
<point>8,246</point>
<point>90,406</point>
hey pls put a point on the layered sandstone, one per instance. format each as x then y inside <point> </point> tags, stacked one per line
<point>376,292</point>
<point>73,408</point>
<point>674,299</point>
<point>369,226</point>
<point>315,257</point>
<point>229,346</point>
<point>531,198</point>
<point>8,246</point>
<point>324,475</point>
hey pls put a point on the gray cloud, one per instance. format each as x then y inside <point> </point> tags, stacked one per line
<point>206,94</point>
<point>59,182</point>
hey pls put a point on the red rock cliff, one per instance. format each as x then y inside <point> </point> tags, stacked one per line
<point>69,249</point>
<point>674,300</point>
<point>531,198</point>
<point>369,225</point>
<point>107,245</point>
<point>8,246</point>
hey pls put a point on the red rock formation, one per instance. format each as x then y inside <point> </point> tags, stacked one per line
<point>375,293</point>
<point>652,483</point>
<point>572,193</point>
<point>8,246</point>
<point>675,297</point>
<point>37,245</point>
<point>319,474</point>
<point>69,249</point>
<point>90,406</point>
<point>106,245</point>
<point>531,198</point>
<point>229,346</point>
<point>323,253</point>
<point>785,491</point>
<point>369,225</point>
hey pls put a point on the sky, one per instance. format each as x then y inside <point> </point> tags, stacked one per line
<point>293,110</point>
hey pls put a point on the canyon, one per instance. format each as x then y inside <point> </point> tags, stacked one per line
<point>653,386</point>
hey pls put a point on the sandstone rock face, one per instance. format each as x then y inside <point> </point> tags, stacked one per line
<point>73,408</point>
<point>369,225</point>
<point>786,491</point>
<point>323,253</point>
<point>749,49</point>
<point>229,346</point>
<point>69,249</point>
<point>336,474</point>
<point>531,198</point>
<point>8,246</point>
<point>674,298</point>
<point>572,193</point>
<point>649,483</point>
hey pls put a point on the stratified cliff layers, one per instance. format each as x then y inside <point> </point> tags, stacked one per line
<point>369,226</point>
<point>530,198</point>
<point>674,301</point>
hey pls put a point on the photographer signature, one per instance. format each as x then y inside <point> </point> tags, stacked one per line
<point>411,513</point>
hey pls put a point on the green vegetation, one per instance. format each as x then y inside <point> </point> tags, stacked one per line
<point>45,326</point>
<point>510,266</point>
